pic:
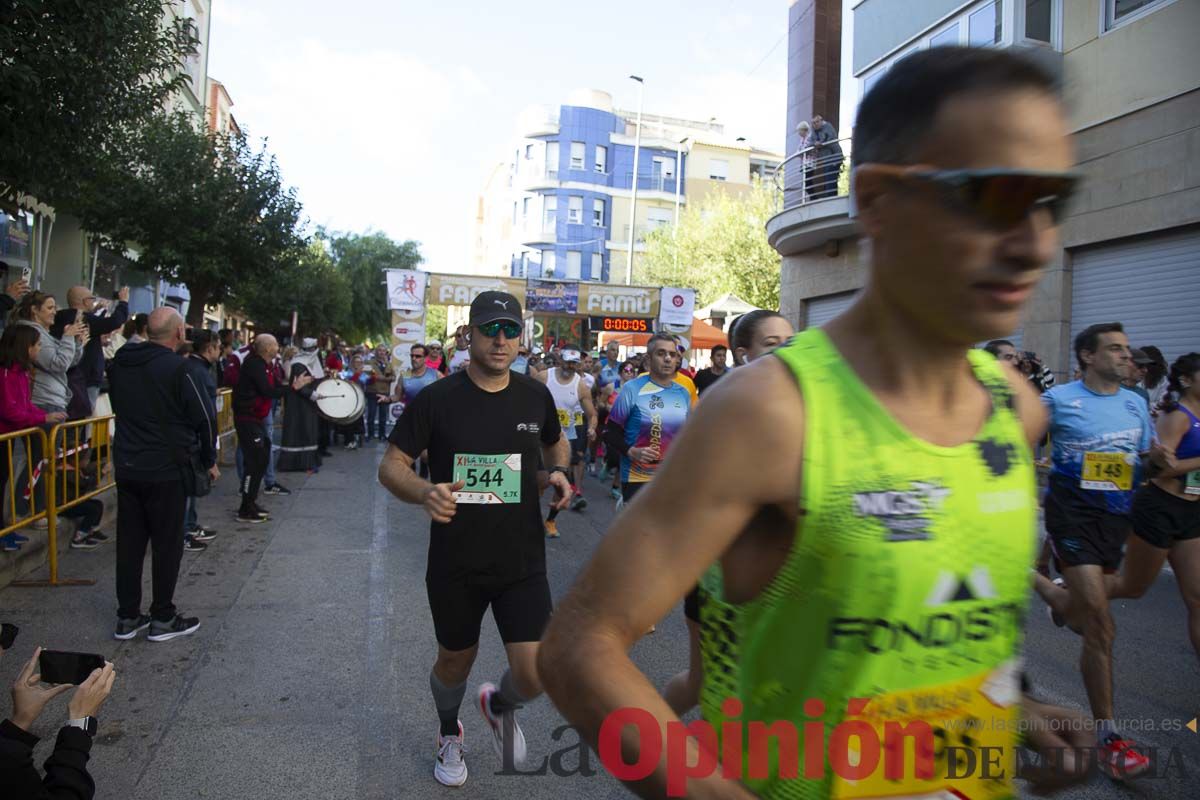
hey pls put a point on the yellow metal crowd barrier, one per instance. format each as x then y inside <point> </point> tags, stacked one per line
<point>79,469</point>
<point>224,423</point>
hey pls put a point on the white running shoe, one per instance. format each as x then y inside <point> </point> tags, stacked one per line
<point>498,723</point>
<point>1055,617</point>
<point>450,768</point>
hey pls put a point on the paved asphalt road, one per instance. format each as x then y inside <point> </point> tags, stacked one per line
<point>309,677</point>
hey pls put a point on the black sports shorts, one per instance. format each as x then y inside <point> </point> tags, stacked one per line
<point>1163,519</point>
<point>521,609</point>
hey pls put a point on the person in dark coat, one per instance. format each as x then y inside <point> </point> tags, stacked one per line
<point>301,427</point>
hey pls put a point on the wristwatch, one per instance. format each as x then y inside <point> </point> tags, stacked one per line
<point>564,470</point>
<point>87,724</point>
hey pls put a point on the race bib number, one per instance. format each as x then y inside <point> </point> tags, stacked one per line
<point>1191,482</point>
<point>578,418</point>
<point>564,419</point>
<point>490,479</point>
<point>1108,472</point>
<point>953,725</point>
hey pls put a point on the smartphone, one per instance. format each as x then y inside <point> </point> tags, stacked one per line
<point>26,274</point>
<point>60,667</point>
<point>8,635</point>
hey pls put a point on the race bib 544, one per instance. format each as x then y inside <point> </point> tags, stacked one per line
<point>488,479</point>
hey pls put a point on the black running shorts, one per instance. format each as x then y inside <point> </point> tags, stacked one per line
<point>1086,536</point>
<point>1163,519</point>
<point>521,609</point>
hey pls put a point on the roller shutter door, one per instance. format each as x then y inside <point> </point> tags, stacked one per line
<point>820,310</point>
<point>1150,284</point>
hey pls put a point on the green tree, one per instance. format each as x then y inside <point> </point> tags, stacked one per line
<point>362,259</point>
<point>721,246</point>
<point>205,210</point>
<point>435,323</point>
<point>305,280</point>
<point>75,78</point>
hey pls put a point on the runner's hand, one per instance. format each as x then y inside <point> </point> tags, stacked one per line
<point>214,473</point>
<point>123,295</point>
<point>439,500</point>
<point>92,693</point>
<point>644,455</point>
<point>29,696</point>
<point>1161,456</point>
<point>56,416</point>
<point>591,434</point>
<point>562,488</point>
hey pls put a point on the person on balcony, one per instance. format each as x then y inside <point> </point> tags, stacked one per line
<point>829,157</point>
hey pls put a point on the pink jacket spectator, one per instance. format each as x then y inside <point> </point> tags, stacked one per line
<point>17,410</point>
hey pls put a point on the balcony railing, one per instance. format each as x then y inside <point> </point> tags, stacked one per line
<point>642,231</point>
<point>815,173</point>
<point>649,183</point>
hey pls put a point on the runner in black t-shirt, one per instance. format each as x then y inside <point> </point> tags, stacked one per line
<point>709,375</point>
<point>484,429</point>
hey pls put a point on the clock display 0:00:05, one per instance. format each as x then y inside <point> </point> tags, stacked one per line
<point>621,324</point>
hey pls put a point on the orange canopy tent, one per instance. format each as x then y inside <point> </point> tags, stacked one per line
<point>701,337</point>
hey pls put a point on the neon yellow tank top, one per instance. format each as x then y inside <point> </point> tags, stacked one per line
<point>906,586</point>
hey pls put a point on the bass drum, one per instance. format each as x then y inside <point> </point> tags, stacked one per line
<point>341,402</point>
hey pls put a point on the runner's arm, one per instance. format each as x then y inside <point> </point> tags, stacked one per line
<point>589,408</point>
<point>1031,407</point>
<point>1171,428</point>
<point>658,549</point>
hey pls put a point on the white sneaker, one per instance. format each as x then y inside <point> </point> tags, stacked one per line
<point>498,722</point>
<point>450,768</point>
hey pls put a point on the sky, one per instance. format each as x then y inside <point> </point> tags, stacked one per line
<point>389,114</point>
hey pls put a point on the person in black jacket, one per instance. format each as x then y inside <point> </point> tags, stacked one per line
<point>256,391</point>
<point>66,769</point>
<point>165,415</point>
<point>201,359</point>
<point>86,377</point>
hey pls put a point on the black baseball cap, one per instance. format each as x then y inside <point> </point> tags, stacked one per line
<point>493,306</point>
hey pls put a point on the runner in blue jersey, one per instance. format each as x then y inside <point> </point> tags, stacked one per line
<point>647,416</point>
<point>1099,432</point>
<point>410,383</point>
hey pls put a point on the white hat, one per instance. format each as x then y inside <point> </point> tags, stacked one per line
<point>570,355</point>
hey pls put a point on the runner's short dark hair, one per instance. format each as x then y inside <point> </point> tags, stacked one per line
<point>895,117</point>
<point>1089,339</point>
<point>994,346</point>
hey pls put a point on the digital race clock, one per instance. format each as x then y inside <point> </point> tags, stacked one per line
<point>621,324</point>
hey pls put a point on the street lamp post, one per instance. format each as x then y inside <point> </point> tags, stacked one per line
<point>637,143</point>
<point>678,183</point>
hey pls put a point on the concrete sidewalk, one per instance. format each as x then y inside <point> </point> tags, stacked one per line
<point>309,675</point>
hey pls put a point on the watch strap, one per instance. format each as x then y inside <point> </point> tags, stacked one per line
<point>86,724</point>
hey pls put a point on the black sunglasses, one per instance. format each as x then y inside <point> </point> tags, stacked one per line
<point>1001,198</point>
<point>511,329</point>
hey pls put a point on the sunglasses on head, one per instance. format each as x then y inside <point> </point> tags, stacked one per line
<point>492,329</point>
<point>998,198</point>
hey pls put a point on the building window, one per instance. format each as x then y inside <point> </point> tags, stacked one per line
<point>597,267</point>
<point>525,207</point>
<point>577,154</point>
<point>1039,20</point>
<point>551,216</point>
<point>601,159</point>
<point>547,263</point>
<point>575,209</point>
<point>574,264</point>
<point>659,217</point>
<point>528,152</point>
<point>514,212</point>
<point>983,27</point>
<point>1118,11</point>
<point>598,212</point>
<point>718,169</point>
<point>948,36</point>
<point>551,159</point>
<point>523,266</point>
